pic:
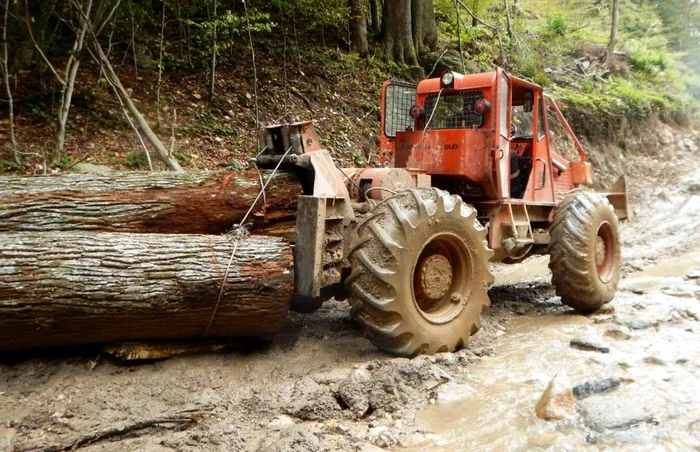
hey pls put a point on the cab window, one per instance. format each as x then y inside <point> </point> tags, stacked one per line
<point>453,111</point>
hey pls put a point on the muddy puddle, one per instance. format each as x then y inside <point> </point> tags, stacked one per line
<point>655,355</point>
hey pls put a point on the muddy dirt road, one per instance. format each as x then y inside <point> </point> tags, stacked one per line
<point>318,385</point>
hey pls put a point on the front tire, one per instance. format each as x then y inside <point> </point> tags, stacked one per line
<point>585,251</point>
<point>420,273</point>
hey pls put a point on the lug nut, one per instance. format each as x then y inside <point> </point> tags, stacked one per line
<point>455,297</point>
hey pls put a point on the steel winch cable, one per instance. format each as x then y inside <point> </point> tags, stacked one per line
<point>239,232</point>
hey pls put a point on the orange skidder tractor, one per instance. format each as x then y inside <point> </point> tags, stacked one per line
<point>468,177</point>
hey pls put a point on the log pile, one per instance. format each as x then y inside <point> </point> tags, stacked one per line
<point>139,256</point>
<point>145,202</point>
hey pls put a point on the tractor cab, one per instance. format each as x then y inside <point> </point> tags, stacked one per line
<point>483,136</point>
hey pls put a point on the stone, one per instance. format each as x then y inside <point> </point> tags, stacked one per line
<point>693,274</point>
<point>543,440</point>
<point>381,436</point>
<point>367,447</point>
<point>453,391</point>
<point>280,422</point>
<point>638,324</point>
<point>557,401</point>
<point>350,390</point>
<point>7,439</point>
<point>412,440</point>
<point>448,359</point>
<point>653,360</point>
<point>604,412</point>
<point>617,333</point>
<point>589,345</point>
<point>595,387</point>
<point>293,438</point>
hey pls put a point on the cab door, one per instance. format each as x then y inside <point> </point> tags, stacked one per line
<point>501,154</point>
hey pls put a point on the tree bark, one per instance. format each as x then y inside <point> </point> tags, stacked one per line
<point>613,30</point>
<point>358,27</point>
<point>160,202</point>
<point>67,289</point>
<point>424,26</point>
<point>397,33</point>
<point>409,29</point>
<point>374,18</point>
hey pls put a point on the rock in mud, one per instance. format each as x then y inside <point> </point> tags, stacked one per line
<point>391,386</point>
<point>351,391</point>
<point>617,333</point>
<point>382,436</point>
<point>590,345</point>
<point>693,274</point>
<point>604,412</point>
<point>7,439</point>
<point>453,391</point>
<point>280,422</point>
<point>412,440</point>
<point>589,388</point>
<point>639,324</point>
<point>557,401</point>
<point>296,438</point>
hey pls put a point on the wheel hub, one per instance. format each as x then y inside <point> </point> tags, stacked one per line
<point>435,276</point>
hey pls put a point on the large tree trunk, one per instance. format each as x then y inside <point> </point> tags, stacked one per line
<point>409,29</point>
<point>164,202</point>
<point>613,30</point>
<point>358,27</point>
<point>65,289</point>
<point>396,32</point>
<point>374,17</point>
<point>424,26</point>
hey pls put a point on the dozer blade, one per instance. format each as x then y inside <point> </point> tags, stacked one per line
<point>619,199</point>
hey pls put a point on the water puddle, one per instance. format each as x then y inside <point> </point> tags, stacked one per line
<point>659,365</point>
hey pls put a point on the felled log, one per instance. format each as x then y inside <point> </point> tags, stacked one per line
<point>66,288</point>
<point>159,202</point>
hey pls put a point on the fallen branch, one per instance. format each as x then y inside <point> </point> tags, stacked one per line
<point>306,101</point>
<point>179,419</point>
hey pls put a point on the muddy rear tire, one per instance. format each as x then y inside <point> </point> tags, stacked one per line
<point>420,273</point>
<point>585,251</point>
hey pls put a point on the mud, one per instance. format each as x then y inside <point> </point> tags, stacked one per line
<point>319,385</point>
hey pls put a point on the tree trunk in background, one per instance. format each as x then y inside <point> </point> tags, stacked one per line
<point>409,29</point>
<point>163,202</point>
<point>63,289</point>
<point>358,27</point>
<point>374,18</point>
<point>397,33</point>
<point>424,26</point>
<point>613,30</point>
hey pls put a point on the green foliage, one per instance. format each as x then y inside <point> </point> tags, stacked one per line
<point>10,165</point>
<point>212,123</point>
<point>135,159</point>
<point>64,162</point>
<point>556,25</point>
<point>647,60</point>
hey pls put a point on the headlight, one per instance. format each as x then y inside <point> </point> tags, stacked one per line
<point>448,79</point>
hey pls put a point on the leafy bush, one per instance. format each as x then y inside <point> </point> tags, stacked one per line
<point>135,159</point>
<point>556,25</point>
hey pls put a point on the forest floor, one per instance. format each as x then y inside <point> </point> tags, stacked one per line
<point>319,385</point>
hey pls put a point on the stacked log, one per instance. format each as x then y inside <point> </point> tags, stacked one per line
<point>150,202</point>
<point>70,288</point>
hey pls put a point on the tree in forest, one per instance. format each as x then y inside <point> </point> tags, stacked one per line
<point>358,27</point>
<point>613,30</point>
<point>409,29</point>
<point>78,16</point>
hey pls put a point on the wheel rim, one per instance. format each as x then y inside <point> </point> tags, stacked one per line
<point>603,251</point>
<point>442,278</point>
